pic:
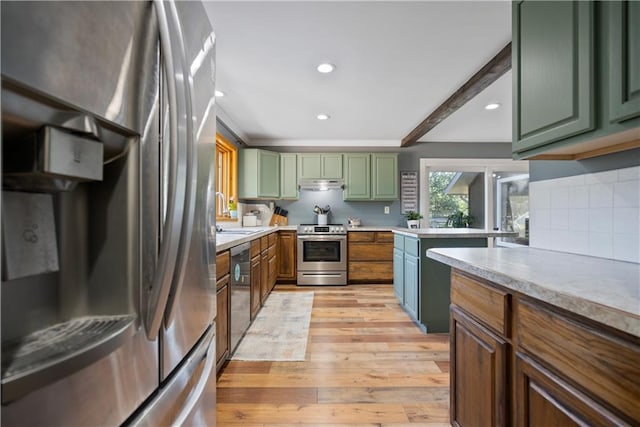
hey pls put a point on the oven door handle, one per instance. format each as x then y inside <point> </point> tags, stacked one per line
<point>323,237</point>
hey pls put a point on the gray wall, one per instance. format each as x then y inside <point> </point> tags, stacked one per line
<point>549,169</point>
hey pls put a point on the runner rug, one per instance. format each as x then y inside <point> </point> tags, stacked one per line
<point>280,331</point>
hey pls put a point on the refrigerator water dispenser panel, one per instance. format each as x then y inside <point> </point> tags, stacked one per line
<point>28,235</point>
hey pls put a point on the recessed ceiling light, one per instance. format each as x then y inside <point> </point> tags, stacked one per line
<point>492,106</point>
<point>322,117</point>
<point>325,67</point>
<point>219,93</point>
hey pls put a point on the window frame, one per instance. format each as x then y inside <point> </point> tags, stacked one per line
<point>486,166</point>
<point>229,184</point>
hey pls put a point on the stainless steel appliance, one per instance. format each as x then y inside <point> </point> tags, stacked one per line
<point>322,254</point>
<point>240,311</point>
<point>108,132</point>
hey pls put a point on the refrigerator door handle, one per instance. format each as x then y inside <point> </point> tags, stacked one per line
<point>191,173</point>
<point>163,276</point>
<point>167,408</point>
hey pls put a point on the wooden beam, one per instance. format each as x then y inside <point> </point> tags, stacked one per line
<point>492,70</point>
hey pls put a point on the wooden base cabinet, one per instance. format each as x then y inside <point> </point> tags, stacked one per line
<point>516,360</point>
<point>478,374</point>
<point>223,261</point>
<point>370,257</point>
<point>287,242</point>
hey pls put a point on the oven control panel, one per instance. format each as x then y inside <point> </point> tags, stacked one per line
<point>321,229</point>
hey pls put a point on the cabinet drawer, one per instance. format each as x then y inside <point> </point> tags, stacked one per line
<point>398,241</point>
<point>362,236</point>
<point>603,364</point>
<point>272,251</point>
<point>255,247</point>
<point>384,236</point>
<point>485,303</point>
<point>371,252</point>
<point>222,282</point>
<point>371,271</point>
<point>412,246</point>
<point>222,264</point>
<point>272,239</point>
<point>264,243</point>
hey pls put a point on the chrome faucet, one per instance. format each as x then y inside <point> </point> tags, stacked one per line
<point>225,210</point>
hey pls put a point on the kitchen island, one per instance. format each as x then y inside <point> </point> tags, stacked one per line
<point>421,284</point>
<point>542,337</point>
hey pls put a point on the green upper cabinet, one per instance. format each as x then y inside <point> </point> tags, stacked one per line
<point>624,59</point>
<point>357,173</point>
<point>370,176</point>
<point>258,174</point>
<point>320,166</point>
<point>384,176</point>
<point>576,78</point>
<point>553,66</point>
<point>288,176</point>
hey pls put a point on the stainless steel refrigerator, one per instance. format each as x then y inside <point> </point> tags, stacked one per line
<point>108,255</point>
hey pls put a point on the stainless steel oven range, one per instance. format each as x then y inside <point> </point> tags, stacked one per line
<point>322,254</point>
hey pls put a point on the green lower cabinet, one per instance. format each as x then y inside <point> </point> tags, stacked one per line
<point>624,59</point>
<point>288,176</point>
<point>435,295</point>
<point>412,285</point>
<point>398,274</point>
<point>258,174</point>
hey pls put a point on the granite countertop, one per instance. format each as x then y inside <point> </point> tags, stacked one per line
<point>603,290</point>
<point>426,233</point>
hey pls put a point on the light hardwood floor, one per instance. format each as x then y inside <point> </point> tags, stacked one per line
<point>366,364</point>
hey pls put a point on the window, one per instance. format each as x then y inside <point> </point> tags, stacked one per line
<point>226,176</point>
<point>484,193</point>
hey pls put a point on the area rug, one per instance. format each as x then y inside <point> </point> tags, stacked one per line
<point>280,331</point>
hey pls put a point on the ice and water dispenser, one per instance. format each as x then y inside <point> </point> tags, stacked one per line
<point>70,240</point>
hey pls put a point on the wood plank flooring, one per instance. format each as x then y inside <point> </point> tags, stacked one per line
<point>367,364</point>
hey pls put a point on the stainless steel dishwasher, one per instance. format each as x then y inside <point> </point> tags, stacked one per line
<point>240,293</point>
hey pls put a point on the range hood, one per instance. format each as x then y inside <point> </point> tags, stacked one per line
<point>320,184</point>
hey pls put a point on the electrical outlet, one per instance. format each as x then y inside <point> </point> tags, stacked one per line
<point>386,210</point>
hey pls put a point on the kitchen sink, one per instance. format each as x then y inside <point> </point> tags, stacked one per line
<point>243,231</point>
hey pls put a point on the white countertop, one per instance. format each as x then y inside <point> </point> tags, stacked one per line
<point>371,228</point>
<point>603,290</point>
<point>426,233</point>
<point>226,241</point>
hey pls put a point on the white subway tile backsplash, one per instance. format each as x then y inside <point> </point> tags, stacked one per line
<point>626,220</point>
<point>541,218</point>
<point>539,196</point>
<point>600,195</point>
<point>594,214</point>
<point>579,197</point>
<point>601,177</point>
<point>628,174</point>
<point>626,194</point>
<point>578,220</point>
<point>601,245</point>
<point>601,220</point>
<point>626,247</point>
<point>578,242</point>
<point>559,197</point>
<point>559,219</point>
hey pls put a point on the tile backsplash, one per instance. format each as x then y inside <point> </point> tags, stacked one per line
<point>596,214</point>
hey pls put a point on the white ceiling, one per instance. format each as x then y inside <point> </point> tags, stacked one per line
<point>395,63</point>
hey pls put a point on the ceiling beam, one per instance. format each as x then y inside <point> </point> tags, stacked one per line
<point>492,70</point>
